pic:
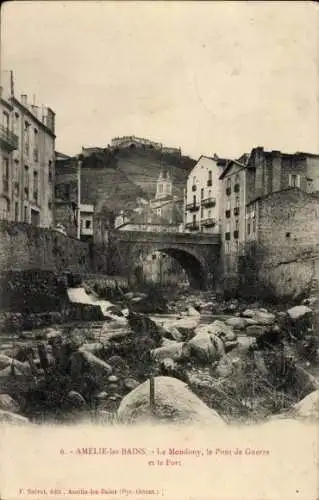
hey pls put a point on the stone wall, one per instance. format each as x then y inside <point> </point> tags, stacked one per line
<point>283,260</point>
<point>23,246</point>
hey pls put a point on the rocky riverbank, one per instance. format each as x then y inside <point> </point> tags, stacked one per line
<point>250,364</point>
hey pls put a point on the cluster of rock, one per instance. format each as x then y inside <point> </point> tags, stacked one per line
<point>188,361</point>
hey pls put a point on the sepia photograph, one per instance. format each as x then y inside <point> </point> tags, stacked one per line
<point>159,250</point>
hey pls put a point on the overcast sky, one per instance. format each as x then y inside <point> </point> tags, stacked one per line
<point>211,77</point>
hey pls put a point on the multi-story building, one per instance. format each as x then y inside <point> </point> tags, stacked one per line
<point>202,207</point>
<point>86,222</point>
<point>8,144</point>
<point>282,248</point>
<point>233,213</point>
<point>29,170</point>
<point>271,171</point>
<point>252,178</point>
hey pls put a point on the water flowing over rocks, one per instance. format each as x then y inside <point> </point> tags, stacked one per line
<point>233,360</point>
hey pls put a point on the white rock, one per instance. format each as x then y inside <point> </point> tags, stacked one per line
<point>191,311</point>
<point>248,313</point>
<point>238,323</point>
<point>6,417</point>
<point>169,349</point>
<point>309,406</point>
<point>218,328</point>
<point>7,403</point>
<point>206,347</point>
<point>174,402</point>
<point>5,361</point>
<point>83,360</point>
<point>298,312</point>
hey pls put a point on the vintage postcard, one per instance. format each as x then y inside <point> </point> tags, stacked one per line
<point>159,250</point>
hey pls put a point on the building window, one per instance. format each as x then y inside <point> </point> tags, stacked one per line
<point>209,213</point>
<point>160,188</point>
<point>25,214</point>
<point>237,225</point>
<point>26,181</point>
<point>254,225</point>
<point>210,180</point>
<point>236,186</point>
<point>248,228</point>
<point>16,123</point>
<point>36,145</point>
<point>227,247</point>
<point>294,180</point>
<point>26,138</point>
<point>16,211</point>
<point>159,211</point>
<point>209,193</point>
<point>194,220</point>
<point>5,120</point>
<point>35,186</point>
<point>5,175</point>
<point>194,200</point>
<point>87,224</point>
<point>228,186</point>
<point>202,212</point>
<point>202,193</point>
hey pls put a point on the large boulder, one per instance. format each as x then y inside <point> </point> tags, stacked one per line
<point>174,402</point>
<point>309,406</point>
<point>206,347</point>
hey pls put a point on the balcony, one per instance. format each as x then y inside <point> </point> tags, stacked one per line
<point>208,202</point>
<point>236,235</point>
<point>209,183</point>
<point>237,188</point>
<point>192,207</point>
<point>192,226</point>
<point>227,236</point>
<point>228,191</point>
<point>194,187</point>
<point>236,211</point>
<point>209,222</point>
<point>227,214</point>
<point>8,139</point>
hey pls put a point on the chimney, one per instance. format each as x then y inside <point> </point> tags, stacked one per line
<point>24,99</point>
<point>34,110</point>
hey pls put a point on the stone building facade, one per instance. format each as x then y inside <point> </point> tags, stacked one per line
<point>283,250</point>
<point>202,196</point>
<point>29,168</point>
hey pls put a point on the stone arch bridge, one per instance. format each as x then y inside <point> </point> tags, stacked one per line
<point>198,254</point>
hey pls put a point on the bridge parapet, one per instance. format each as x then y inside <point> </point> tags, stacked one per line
<point>162,237</point>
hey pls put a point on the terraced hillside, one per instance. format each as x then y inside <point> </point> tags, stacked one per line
<point>116,178</point>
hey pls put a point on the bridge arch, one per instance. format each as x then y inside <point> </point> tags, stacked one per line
<point>194,264</point>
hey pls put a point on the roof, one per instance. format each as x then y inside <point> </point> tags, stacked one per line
<point>16,102</point>
<point>228,166</point>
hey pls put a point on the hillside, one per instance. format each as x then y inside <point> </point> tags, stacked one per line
<point>115,178</point>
